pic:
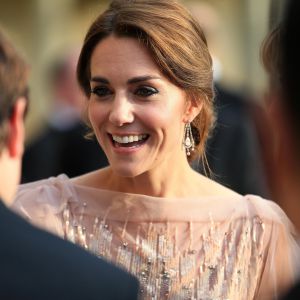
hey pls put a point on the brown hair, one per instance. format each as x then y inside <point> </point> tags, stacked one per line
<point>176,42</point>
<point>13,83</point>
<point>271,56</point>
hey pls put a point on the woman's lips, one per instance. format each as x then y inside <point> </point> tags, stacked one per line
<point>128,141</point>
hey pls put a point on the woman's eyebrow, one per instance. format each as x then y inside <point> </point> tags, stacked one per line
<point>100,79</point>
<point>142,78</point>
<point>130,81</point>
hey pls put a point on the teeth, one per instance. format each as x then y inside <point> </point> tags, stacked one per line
<point>128,138</point>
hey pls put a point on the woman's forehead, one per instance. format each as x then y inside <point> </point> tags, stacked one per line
<point>123,53</point>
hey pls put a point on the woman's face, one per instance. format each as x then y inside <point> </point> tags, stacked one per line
<point>137,114</point>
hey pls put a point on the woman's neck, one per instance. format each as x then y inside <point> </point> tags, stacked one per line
<point>165,181</point>
<point>171,182</point>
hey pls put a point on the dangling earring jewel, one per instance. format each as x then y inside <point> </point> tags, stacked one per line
<point>188,140</point>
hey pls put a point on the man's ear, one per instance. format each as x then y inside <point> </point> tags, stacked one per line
<point>192,109</point>
<point>16,130</point>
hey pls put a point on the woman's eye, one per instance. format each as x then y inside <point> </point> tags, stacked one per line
<point>146,91</point>
<point>101,91</point>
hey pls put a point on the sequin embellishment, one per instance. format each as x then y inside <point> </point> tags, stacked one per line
<point>218,263</point>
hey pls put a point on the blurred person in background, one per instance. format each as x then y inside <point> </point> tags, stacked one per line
<point>34,264</point>
<point>281,59</point>
<point>146,71</point>
<point>232,151</point>
<point>61,146</point>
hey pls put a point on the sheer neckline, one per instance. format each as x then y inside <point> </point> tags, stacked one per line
<point>140,208</point>
<point>65,178</point>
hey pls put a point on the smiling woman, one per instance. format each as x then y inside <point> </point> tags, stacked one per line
<point>147,75</point>
<point>132,99</point>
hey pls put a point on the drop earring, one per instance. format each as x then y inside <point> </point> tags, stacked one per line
<point>188,140</point>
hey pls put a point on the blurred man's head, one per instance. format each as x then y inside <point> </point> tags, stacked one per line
<point>13,100</point>
<point>290,110</point>
<point>282,61</point>
<point>291,67</point>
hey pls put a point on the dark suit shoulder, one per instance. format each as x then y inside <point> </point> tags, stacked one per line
<point>37,265</point>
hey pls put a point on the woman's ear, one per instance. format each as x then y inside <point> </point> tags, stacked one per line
<point>192,109</point>
<point>16,134</point>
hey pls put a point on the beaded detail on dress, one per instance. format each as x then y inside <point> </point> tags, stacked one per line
<point>182,260</point>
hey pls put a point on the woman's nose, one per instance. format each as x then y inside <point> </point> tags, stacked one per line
<point>121,111</point>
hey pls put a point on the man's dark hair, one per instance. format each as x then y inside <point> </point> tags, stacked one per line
<point>13,83</point>
<point>291,62</point>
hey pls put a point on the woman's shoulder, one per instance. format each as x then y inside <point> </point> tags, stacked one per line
<point>229,204</point>
<point>38,200</point>
<point>208,187</point>
<point>267,210</point>
<point>249,205</point>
